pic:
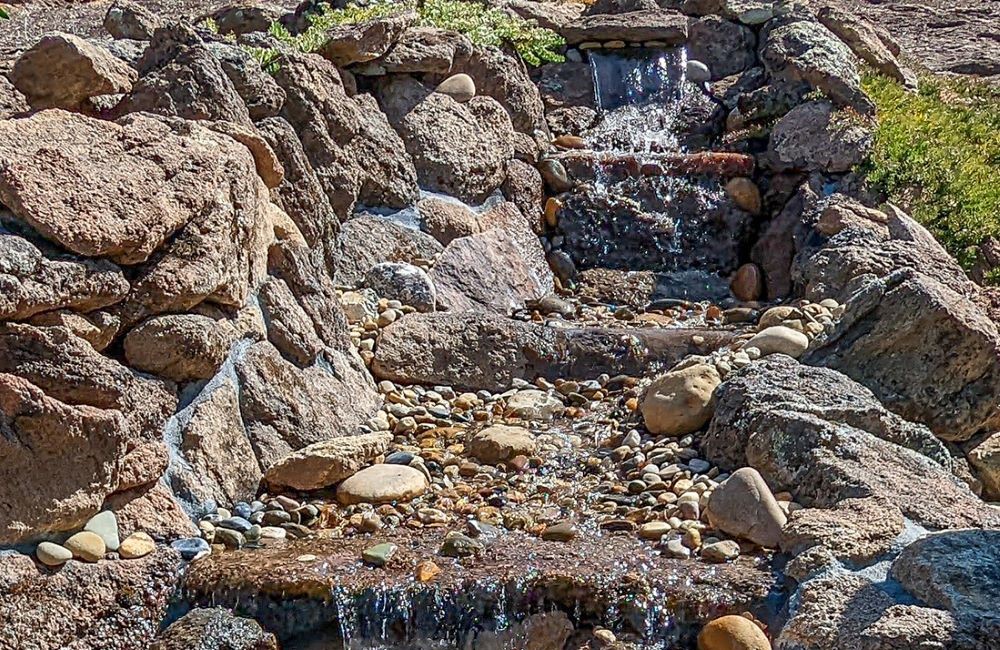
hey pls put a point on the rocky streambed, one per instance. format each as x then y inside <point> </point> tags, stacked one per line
<point>381,338</point>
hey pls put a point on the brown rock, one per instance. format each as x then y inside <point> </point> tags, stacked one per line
<point>461,149</point>
<point>863,39</point>
<point>85,70</point>
<point>426,49</point>
<point>367,240</point>
<point>732,633</point>
<point>475,350</point>
<point>680,401</point>
<point>744,506</point>
<point>285,408</point>
<point>83,605</point>
<point>447,220</point>
<point>814,431</point>
<point>524,188</point>
<point>136,545</point>
<point>322,464</point>
<point>890,340</point>
<point>492,270</point>
<point>86,546</point>
<point>856,530</point>
<point>382,484</point>
<point>181,347</point>
<point>289,328</point>
<point>347,44</point>
<point>498,443</point>
<point>213,459</point>
<point>355,153</point>
<point>151,509</point>
<point>648,25</point>
<point>121,190</point>
<point>745,194</point>
<point>34,282</point>
<point>214,629</point>
<point>984,459</point>
<point>459,87</point>
<point>130,20</point>
<point>12,102</point>
<point>747,284</point>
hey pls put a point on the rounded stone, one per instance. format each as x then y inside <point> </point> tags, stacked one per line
<point>459,87</point>
<point>745,194</point>
<point>404,282</point>
<point>698,72</point>
<point>382,484</point>
<point>680,401</point>
<point>191,548</point>
<point>744,507</point>
<point>136,545</point>
<point>51,554</point>
<point>747,284</point>
<point>86,546</point>
<point>105,524</point>
<point>780,340</point>
<point>500,442</point>
<point>732,633</point>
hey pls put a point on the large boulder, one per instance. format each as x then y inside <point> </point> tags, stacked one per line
<point>12,102</point>
<point>816,137</point>
<point>84,70</point>
<point>799,50</point>
<point>461,149</point>
<point>358,43</point>
<point>505,78</point>
<point>426,49</point>
<point>867,43</point>
<point>285,408</point>
<point>368,239</point>
<point>726,47</point>
<point>180,347</point>
<point>825,438</point>
<point>85,606</point>
<point>483,351</point>
<point>300,194</point>
<point>354,152</point>
<point>859,531</point>
<point>956,571</point>
<point>495,269</point>
<point>212,460</point>
<point>191,85</point>
<point>113,190</point>
<point>929,353</point>
<point>95,423</point>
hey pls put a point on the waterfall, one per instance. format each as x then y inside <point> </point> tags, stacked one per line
<point>638,93</point>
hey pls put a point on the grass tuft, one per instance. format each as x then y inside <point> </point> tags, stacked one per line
<point>937,155</point>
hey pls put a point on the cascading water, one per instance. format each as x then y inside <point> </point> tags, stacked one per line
<point>639,93</point>
<point>642,211</point>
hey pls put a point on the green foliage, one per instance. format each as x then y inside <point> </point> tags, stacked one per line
<point>937,153</point>
<point>3,14</point>
<point>482,25</point>
<point>210,25</point>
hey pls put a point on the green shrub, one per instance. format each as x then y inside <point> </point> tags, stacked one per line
<point>3,14</point>
<point>937,154</point>
<point>482,25</point>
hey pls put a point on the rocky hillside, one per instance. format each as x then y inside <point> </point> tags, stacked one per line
<point>535,325</point>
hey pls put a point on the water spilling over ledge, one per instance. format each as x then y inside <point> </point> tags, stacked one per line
<point>320,589</point>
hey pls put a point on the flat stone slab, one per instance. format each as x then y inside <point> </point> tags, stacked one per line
<point>596,576</point>
<point>633,27</point>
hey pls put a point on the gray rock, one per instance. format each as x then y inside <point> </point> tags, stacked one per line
<point>744,506</point>
<point>725,47</point>
<point>403,282</point>
<point>367,240</point>
<point>214,629</point>
<point>105,525</point>
<point>816,137</point>
<point>633,26</point>
<point>191,547</point>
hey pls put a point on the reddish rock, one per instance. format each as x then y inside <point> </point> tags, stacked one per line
<point>747,284</point>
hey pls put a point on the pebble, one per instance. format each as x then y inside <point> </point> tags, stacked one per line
<point>459,87</point>
<point>457,544</point>
<point>51,554</point>
<point>191,548</point>
<point>675,549</point>
<point>380,554</point>
<point>273,532</point>
<point>723,551</point>
<point>105,525</point>
<point>698,72</point>
<point>239,524</point>
<point>86,546</point>
<point>136,545</point>
<point>229,537</point>
<point>654,530</point>
<point>426,571</point>
<point>780,339</point>
<point>561,532</point>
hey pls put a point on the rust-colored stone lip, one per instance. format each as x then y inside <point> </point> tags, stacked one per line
<point>583,164</point>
